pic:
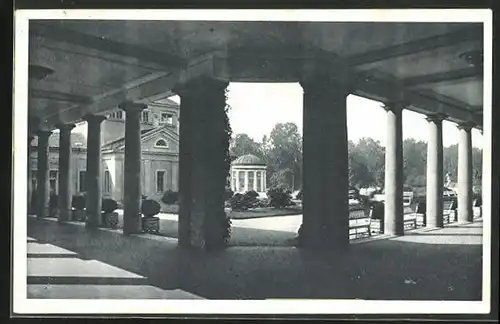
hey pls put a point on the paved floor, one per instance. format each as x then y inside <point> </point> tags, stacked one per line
<point>426,265</point>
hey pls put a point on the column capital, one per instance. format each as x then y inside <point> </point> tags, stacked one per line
<point>467,126</point>
<point>324,83</point>
<point>65,127</point>
<point>395,105</point>
<point>91,118</point>
<point>436,118</point>
<point>129,106</point>
<point>204,82</point>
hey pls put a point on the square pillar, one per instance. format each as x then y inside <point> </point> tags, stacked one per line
<point>132,168</point>
<point>42,185</point>
<point>93,185</point>
<point>465,212</point>
<point>64,186</point>
<point>325,221</point>
<point>435,180</point>
<point>393,209</point>
<point>203,167</point>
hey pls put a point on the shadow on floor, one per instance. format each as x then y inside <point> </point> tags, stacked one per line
<point>378,270</point>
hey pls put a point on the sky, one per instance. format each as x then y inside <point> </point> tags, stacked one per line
<point>257,107</point>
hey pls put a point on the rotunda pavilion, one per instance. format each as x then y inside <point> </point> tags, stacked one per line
<point>248,172</point>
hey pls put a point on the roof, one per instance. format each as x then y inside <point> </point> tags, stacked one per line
<point>145,133</point>
<point>248,159</point>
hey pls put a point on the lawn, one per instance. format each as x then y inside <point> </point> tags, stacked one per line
<point>247,214</point>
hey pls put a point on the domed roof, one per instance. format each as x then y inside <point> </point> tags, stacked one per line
<point>248,159</point>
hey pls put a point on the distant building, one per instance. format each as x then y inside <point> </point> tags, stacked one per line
<point>160,153</point>
<point>248,172</point>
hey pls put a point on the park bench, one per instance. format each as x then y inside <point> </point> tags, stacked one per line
<point>359,221</point>
<point>410,221</point>
<point>449,211</point>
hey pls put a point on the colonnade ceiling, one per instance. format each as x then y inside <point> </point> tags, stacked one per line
<point>83,66</point>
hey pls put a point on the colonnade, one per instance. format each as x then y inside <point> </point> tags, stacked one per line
<point>325,165</point>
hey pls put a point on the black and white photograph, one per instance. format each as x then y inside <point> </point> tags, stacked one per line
<point>252,161</point>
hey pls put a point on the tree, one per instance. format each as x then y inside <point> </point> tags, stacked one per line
<point>284,156</point>
<point>414,162</point>
<point>242,144</point>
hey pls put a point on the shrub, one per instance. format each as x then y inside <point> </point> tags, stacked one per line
<point>240,202</point>
<point>170,197</point>
<point>279,198</point>
<point>252,194</point>
<point>264,202</point>
<point>150,208</point>
<point>299,195</point>
<point>78,202</point>
<point>109,205</point>
<point>53,201</point>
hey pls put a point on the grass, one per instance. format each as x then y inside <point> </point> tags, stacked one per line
<point>247,214</point>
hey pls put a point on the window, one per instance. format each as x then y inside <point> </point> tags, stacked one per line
<point>161,143</point>
<point>145,116</point>
<point>167,118</point>
<point>160,181</point>
<point>119,114</point>
<point>107,181</point>
<point>81,181</point>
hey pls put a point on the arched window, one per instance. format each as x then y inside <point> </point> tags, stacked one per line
<point>161,143</point>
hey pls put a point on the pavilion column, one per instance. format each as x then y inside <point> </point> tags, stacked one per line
<point>132,168</point>
<point>264,181</point>
<point>246,181</point>
<point>30,181</point>
<point>325,166</point>
<point>254,180</point>
<point>434,188</point>
<point>465,212</point>
<point>237,181</point>
<point>202,163</point>
<point>93,187</point>
<point>64,186</point>
<point>393,212</point>
<point>42,188</point>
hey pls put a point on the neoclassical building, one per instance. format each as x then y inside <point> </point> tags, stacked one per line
<point>248,172</point>
<point>159,156</point>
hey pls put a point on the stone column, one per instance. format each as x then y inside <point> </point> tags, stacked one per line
<point>254,180</point>
<point>325,166</point>
<point>434,201</point>
<point>202,162</point>
<point>64,186</point>
<point>93,185</point>
<point>264,181</point>
<point>246,181</point>
<point>237,181</point>
<point>393,211</point>
<point>30,181</point>
<point>465,212</point>
<point>42,185</point>
<point>132,168</point>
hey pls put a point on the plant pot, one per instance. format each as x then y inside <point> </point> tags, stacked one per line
<point>151,225</point>
<point>79,215</point>
<point>110,220</point>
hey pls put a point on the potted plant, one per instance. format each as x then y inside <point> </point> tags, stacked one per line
<point>149,209</point>
<point>53,205</point>
<point>109,216</point>
<point>78,204</point>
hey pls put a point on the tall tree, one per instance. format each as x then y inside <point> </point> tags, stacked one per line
<point>284,152</point>
<point>242,144</point>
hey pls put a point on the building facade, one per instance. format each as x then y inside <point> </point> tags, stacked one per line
<point>160,153</point>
